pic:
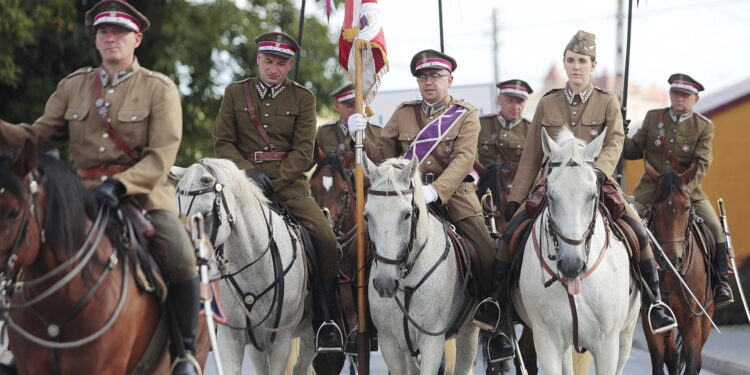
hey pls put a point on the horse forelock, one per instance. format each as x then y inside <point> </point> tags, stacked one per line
<point>667,181</point>
<point>226,173</point>
<point>8,179</point>
<point>332,161</point>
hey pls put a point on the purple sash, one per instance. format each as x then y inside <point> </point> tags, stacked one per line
<point>429,137</point>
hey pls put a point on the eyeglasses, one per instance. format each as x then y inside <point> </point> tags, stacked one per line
<point>431,76</point>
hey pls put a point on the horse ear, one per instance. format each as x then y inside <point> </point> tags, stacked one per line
<point>689,174</point>
<point>592,150</point>
<point>26,160</point>
<point>651,171</point>
<point>549,146</point>
<point>176,173</point>
<point>370,167</point>
<point>348,160</point>
<point>319,153</point>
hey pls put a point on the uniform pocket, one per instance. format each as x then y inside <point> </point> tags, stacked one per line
<point>75,117</point>
<point>593,124</point>
<point>553,125</point>
<point>133,125</point>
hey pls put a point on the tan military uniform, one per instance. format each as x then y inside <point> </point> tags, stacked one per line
<point>289,121</point>
<point>334,137</point>
<point>145,109</point>
<point>689,139</point>
<point>447,166</point>
<point>501,140</point>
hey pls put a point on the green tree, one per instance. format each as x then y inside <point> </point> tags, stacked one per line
<point>202,45</point>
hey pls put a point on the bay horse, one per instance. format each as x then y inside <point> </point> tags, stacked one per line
<point>673,221</point>
<point>596,304</point>
<point>415,289</point>
<point>262,262</point>
<point>69,298</point>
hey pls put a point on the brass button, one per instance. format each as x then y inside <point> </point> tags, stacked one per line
<point>265,126</point>
<point>268,104</point>
<point>266,114</point>
<point>110,91</point>
<point>75,116</point>
<point>102,149</point>
<point>575,113</point>
<point>133,118</point>
<point>671,140</point>
<point>429,162</point>
<point>105,135</point>
<point>505,134</point>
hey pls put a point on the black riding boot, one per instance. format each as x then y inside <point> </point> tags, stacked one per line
<point>326,311</point>
<point>722,292</point>
<point>487,316</point>
<point>659,320</point>
<point>185,302</point>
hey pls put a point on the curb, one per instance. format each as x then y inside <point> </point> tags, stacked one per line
<point>710,362</point>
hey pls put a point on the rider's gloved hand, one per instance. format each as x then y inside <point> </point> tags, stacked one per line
<point>109,192</point>
<point>430,195</point>
<point>261,179</point>
<point>356,122</point>
<point>510,210</point>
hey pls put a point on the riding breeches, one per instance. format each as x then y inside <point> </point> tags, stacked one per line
<point>473,229</point>
<point>172,245</point>
<point>311,216</point>
<point>704,209</point>
<point>646,251</point>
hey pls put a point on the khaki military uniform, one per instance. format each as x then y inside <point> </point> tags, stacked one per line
<point>145,109</point>
<point>289,121</point>
<point>445,168</point>
<point>689,139</point>
<point>334,137</point>
<point>501,140</point>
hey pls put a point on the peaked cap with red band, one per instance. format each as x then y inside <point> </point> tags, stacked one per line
<point>277,43</point>
<point>431,59</point>
<point>117,12</point>
<point>344,93</point>
<point>515,87</point>
<point>684,82</point>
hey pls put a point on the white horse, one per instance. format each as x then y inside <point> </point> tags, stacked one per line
<point>412,250</point>
<point>265,283</point>
<point>569,236</point>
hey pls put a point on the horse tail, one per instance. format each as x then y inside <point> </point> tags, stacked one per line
<point>679,344</point>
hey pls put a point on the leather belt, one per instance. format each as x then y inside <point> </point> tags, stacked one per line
<point>261,156</point>
<point>101,172</point>
<point>429,177</point>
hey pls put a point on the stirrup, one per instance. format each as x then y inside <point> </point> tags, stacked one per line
<point>731,295</point>
<point>348,349</point>
<point>189,358</point>
<point>484,326</point>
<point>499,359</point>
<point>670,313</point>
<point>326,349</point>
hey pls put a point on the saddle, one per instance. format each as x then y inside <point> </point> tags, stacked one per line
<point>136,233</point>
<point>301,232</point>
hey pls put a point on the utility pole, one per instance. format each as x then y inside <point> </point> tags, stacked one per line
<point>495,47</point>
<point>620,58</point>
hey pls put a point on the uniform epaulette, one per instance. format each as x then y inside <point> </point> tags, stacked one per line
<point>160,76</point>
<point>551,92</point>
<point>603,90</point>
<point>83,70</point>
<point>704,117</point>
<point>242,80</point>
<point>328,123</point>
<point>489,115</point>
<point>375,123</point>
<point>302,86</point>
<point>464,103</point>
<point>410,102</point>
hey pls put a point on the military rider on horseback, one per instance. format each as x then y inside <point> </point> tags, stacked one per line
<point>124,125</point>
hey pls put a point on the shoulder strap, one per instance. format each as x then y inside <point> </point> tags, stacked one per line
<point>253,117</point>
<point>665,148</point>
<point>107,121</point>
<point>420,122</point>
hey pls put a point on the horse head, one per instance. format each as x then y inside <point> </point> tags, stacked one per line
<point>498,178</point>
<point>215,188</point>
<point>572,196</point>
<point>394,213</point>
<point>671,209</point>
<point>333,189</point>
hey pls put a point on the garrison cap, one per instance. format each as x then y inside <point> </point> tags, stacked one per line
<point>344,93</point>
<point>684,82</point>
<point>583,43</point>
<point>117,12</point>
<point>431,59</point>
<point>515,87</point>
<point>277,43</point>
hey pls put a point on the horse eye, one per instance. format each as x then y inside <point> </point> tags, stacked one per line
<point>13,214</point>
<point>687,209</point>
<point>407,216</point>
<point>206,180</point>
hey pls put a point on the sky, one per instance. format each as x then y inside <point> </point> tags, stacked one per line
<point>707,39</point>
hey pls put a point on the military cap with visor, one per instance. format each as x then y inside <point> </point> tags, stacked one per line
<point>344,94</point>
<point>277,43</point>
<point>684,82</point>
<point>515,87</point>
<point>583,43</point>
<point>431,59</point>
<point>117,12</point>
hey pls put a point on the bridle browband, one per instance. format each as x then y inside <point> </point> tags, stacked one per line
<point>402,259</point>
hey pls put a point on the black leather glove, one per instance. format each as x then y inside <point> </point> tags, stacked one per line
<point>261,179</point>
<point>109,192</point>
<point>601,177</point>
<point>625,124</point>
<point>511,209</point>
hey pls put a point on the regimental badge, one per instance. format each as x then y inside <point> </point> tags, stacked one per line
<point>447,149</point>
<point>519,150</point>
<point>342,147</point>
<point>661,125</point>
<point>685,147</point>
<point>99,102</point>
<point>657,142</point>
<point>661,132</point>
<point>484,147</point>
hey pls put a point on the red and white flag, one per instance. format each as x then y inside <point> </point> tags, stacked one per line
<point>362,23</point>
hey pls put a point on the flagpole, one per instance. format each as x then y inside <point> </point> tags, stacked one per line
<point>299,38</point>
<point>440,17</point>
<point>624,109</point>
<point>359,183</point>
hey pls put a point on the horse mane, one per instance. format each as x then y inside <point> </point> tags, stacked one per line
<point>390,169</point>
<point>570,147</point>
<point>667,181</point>
<point>226,172</point>
<point>331,160</point>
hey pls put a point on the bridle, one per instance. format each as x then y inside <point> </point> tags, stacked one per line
<point>219,201</point>
<point>29,210</point>
<point>683,240</point>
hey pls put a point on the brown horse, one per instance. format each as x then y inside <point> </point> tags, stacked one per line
<point>672,220</point>
<point>68,295</point>
<point>332,187</point>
